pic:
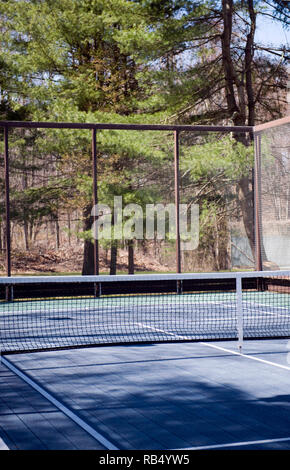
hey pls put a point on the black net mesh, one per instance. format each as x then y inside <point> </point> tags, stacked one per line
<point>45,313</point>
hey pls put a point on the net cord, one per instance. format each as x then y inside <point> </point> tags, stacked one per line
<point>140,277</point>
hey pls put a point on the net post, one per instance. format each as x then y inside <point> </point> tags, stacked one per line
<point>239,307</point>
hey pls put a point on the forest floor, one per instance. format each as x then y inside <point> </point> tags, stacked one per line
<point>69,261</point>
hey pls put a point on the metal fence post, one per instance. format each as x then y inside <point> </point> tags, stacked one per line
<point>257,203</point>
<point>176,192</point>
<point>95,200</point>
<point>7,203</point>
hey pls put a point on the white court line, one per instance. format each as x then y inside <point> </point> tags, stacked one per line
<point>258,305</point>
<point>106,442</point>
<point>86,427</point>
<point>280,313</point>
<point>159,330</point>
<point>3,446</point>
<point>238,444</point>
<point>220,348</point>
<point>233,444</point>
<point>253,358</point>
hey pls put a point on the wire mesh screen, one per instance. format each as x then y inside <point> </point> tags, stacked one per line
<point>51,201</point>
<point>174,198</point>
<point>216,186</point>
<point>47,193</point>
<point>274,203</point>
<point>135,198</point>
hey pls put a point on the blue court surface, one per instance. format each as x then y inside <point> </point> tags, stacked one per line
<point>160,396</point>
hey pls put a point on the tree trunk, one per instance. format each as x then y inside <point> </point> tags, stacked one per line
<point>114,252</point>
<point>237,108</point>
<point>247,208</point>
<point>57,234</point>
<point>26,235</point>
<point>228,65</point>
<point>249,55</point>
<point>69,228</point>
<point>88,260</point>
<point>113,262</point>
<point>130,257</point>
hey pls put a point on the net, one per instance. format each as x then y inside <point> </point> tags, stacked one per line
<point>40,313</point>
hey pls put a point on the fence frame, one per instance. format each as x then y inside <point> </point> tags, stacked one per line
<point>254,131</point>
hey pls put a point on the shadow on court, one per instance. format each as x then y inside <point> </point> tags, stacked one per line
<point>155,398</point>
